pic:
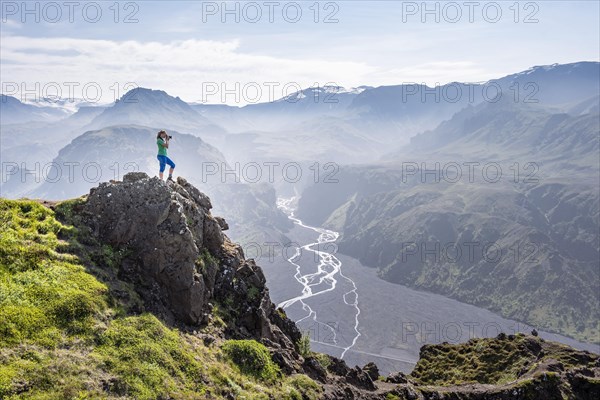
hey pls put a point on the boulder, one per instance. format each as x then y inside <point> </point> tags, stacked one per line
<point>359,378</point>
<point>396,377</point>
<point>371,370</point>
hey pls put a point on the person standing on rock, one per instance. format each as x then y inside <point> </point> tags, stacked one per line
<point>162,140</point>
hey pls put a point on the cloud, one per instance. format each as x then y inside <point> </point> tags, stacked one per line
<point>10,24</point>
<point>179,67</point>
<point>197,70</point>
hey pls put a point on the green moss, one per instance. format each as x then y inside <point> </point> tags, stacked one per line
<point>252,358</point>
<point>30,372</point>
<point>323,359</point>
<point>253,293</point>
<point>204,260</point>
<point>28,236</point>
<point>107,256</point>
<point>480,360</point>
<point>303,345</point>
<point>307,388</point>
<point>149,359</point>
<point>219,316</point>
<point>229,302</point>
<point>66,211</point>
<point>493,361</point>
<point>46,297</point>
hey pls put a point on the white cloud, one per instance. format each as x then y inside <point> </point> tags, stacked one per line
<point>179,67</point>
<point>10,24</point>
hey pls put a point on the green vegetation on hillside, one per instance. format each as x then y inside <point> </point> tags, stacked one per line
<point>64,334</point>
<point>494,361</point>
<point>47,297</point>
<point>252,358</point>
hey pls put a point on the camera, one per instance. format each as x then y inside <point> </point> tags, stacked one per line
<point>170,137</point>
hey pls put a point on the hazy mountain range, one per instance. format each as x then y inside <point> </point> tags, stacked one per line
<point>532,222</point>
<point>108,153</point>
<point>329,123</point>
<point>539,126</point>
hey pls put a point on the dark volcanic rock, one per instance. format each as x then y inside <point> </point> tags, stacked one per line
<point>179,258</point>
<point>313,368</point>
<point>338,367</point>
<point>360,378</point>
<point>397,377</point>
<point>166,227</point>
<point>371,370</point>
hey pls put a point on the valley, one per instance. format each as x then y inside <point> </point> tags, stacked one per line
<point>394,320</point>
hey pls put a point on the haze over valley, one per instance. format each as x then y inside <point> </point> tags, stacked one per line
<point>412,212</point>
<point>493,203</point>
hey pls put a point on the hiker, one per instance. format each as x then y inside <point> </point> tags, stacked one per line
<point>162,140</point>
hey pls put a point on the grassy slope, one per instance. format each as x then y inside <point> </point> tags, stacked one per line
<point>496,361</point>
<point>64,332</point>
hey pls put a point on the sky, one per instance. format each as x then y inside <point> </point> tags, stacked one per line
<point>251,51</point>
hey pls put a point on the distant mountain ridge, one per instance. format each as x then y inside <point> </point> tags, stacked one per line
<point>546,200</point>
<point>154,108</point>
<point>555,84</point>
<point>13,111</point>
<point>507,130</point>
<point>115,150</point>
<point>391,115</point>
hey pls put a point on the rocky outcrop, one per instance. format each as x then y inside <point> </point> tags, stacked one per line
<point>180,260</point>
<point>165,229</point>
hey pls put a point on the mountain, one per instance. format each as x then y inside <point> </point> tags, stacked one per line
<point>28,148</point>
<point>506,131</point>
<point>336,121</point>
<point>13,111</point>
<point>84,115</point>
<point>310,124</point>
<point>403,110</point>
<point>514,362</point>
<point>49,133</point>
<point>495,248</point>
<point>109,153</point>
<point>21,168</point>
<point>323,140</point>
<point>252,212</point>
<point>134,291</point>
<point>559,85</point>
<point>589,106</point>
<point>394,113</point>
<point>534,220</point>
<point>70,105</point>
<point>341,125</point>
<point>148,107</point>
<point>305,104</point>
